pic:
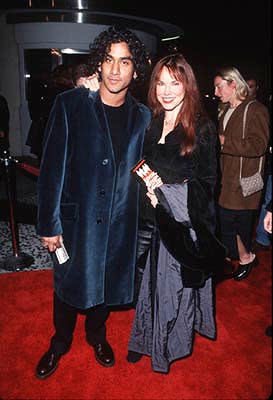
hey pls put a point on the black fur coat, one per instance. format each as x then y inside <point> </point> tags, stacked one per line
<point>199,169</point>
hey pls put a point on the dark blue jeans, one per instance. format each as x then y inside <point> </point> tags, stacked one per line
<point>233,223</point>
<point>262,236</point>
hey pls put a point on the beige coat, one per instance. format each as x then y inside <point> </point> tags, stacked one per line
<point>250,148</point>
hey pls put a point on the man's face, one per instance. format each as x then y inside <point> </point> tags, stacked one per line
<point>252,84</point>
<point>117,70</point>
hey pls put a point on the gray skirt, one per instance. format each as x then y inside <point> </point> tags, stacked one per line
<point>164,326</point>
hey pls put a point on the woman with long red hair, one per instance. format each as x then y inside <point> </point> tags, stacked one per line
<point>178,252</point>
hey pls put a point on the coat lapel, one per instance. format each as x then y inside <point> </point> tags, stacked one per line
<point>96,103</point>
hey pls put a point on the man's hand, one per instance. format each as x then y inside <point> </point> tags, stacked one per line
<point>52,243</point>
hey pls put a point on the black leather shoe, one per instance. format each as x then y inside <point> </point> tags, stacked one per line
<point>133,357</point>
<point>244,270</point>
<point>47,365</point>
<point>104,354</point>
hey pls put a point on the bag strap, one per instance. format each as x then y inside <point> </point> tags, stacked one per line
<point>244,125</point>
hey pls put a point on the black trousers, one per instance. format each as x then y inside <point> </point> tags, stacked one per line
<point>65,318</point>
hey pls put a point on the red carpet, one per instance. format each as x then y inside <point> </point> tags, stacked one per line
<point>235,366</point>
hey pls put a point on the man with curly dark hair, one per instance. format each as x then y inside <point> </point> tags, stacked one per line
<point>87,199</point>
<point>102,44</point>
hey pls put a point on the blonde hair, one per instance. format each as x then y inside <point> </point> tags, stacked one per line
<point>231,74</point>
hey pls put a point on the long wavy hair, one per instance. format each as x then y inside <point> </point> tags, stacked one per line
<point>191,108</point>
<point>115,34</point>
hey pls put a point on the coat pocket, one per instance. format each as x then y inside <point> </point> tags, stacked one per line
<point>69,211</point>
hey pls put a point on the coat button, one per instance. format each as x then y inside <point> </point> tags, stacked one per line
<point>105,161</point>
<point>99,221</point>
<point>102,193</point>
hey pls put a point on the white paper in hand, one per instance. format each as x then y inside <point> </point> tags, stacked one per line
<point>61,254</point>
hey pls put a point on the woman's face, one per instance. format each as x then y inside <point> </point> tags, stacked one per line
<point>224,90</point>
<point>169,91</point>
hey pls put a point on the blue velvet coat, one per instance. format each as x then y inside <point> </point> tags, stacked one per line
<point>82,195</point>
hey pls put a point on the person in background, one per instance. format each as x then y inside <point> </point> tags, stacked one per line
<point>177,249</point>
<point>253,87</point>
<point>87,199</point>
<point>236,212</point>
<point>80,74</point>
<point>4,124</point>
<point>262,240</point>
<point>268,218</point>
<point>268,229</point>
<point>41,99</point>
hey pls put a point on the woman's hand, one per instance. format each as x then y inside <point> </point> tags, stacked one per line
<point>153,199</point>
<point>154,181</point>
<point>91,82</point>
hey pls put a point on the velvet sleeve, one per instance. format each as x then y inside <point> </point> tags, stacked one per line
<point>52,171</point>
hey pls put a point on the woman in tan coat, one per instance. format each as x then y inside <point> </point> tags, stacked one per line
<point>236,212</point>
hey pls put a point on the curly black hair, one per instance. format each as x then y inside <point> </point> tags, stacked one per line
<point>115,34</point>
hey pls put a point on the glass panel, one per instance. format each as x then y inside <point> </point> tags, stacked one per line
<point>38,65</point>
<point>74,59</point>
